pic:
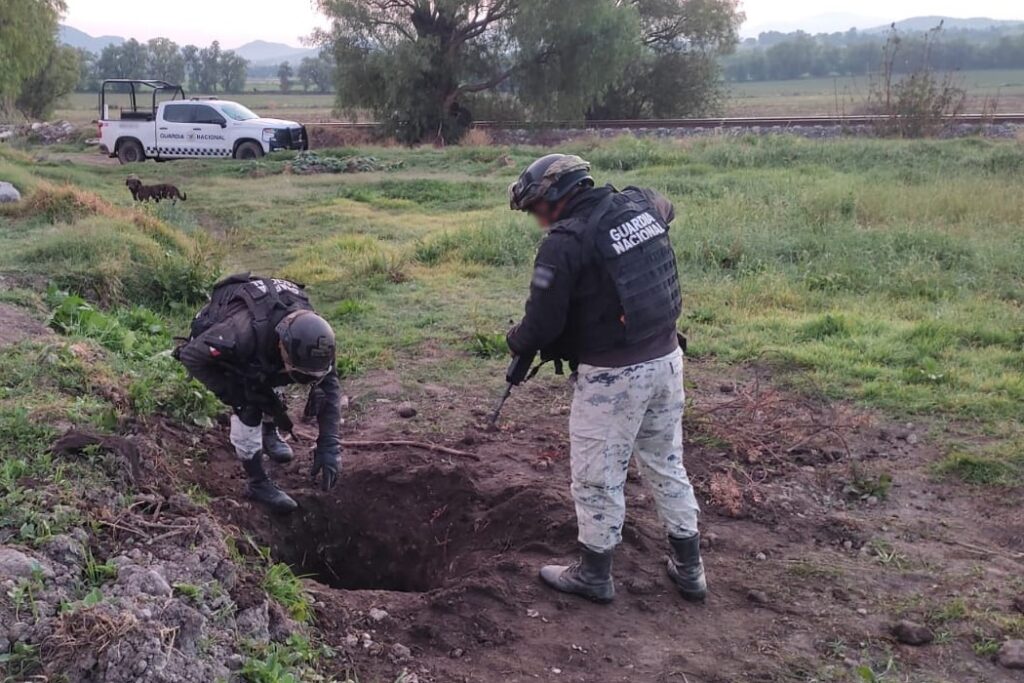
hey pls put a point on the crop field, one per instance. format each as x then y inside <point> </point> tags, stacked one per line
<point>989,91</point>
<point>81,108</point>
<point>855,390</point>
<point>992,91</point>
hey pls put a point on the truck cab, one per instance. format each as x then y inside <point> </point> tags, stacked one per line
<point>159,122</point>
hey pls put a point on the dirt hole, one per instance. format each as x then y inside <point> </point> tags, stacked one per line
<point>405,530</point>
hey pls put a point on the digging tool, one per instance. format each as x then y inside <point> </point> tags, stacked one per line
<point>518,372</point>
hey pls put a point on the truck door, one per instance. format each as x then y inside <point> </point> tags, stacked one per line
<point>173,125</point>
<point>207,136</point>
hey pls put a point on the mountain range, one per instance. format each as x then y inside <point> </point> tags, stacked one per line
<point>258,52</point>
<point>261,53</point>
<point>831,23</point>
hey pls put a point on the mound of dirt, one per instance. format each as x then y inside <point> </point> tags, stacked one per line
<point>18,324</point>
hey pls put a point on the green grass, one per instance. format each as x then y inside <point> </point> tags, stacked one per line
<point>888,273</point>
<point>847,95</point>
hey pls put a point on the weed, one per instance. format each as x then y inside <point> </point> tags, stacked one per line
<point>888,556</point>
<point>292,661</point>
<point>984,646</point>
<point>98,573</point>
<point>286,588</point>
<point>20,663</point>
<point>488,345</point>
<point>189,590</point>
<point>864,486</point>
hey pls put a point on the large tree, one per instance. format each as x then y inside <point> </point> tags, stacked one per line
<point>678,71</point>
<point>415,63</point>
<point>317,71</point>
<point>27,38</point>
<point>57,78</point>
<point>166,62</point>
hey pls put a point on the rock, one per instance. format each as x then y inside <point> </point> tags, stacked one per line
<point>760,557</point>
<point>378,614</point>
<point>9,193</point>
<point>1011,654</point>
<point>400,653</point>
<point>1018,604</point>
<point>406,410</point>
<point>758,597</point>
<point>912,439</point>
<point>15,564</point>
<point>235,662</point>
<point>141,580</point>
<point>66,550</point>
<point>726,388</point>
<point>910,633</point>
<point>254,622</point>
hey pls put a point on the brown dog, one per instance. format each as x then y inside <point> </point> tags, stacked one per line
<point>144,193</point>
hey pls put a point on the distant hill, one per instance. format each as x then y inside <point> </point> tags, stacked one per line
<point>950,24</point>
<point>263,53</point>
<point>75,38</point>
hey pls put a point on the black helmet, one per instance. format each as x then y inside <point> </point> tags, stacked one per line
<point>549,179</point>
<point>307,346</point>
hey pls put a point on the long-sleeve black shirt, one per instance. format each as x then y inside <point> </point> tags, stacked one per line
<point>571,286</point>
<point>225,359</point>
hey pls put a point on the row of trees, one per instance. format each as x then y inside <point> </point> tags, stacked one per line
<point>35,71</point>
<point>313,72</point>
<point>798,55</point>
<point>207,70</point>
<point>424,67</point>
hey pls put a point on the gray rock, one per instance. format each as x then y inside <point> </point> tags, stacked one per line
<point>400,653</point>
<point>758,597</point>
<point>254,622</point>
<point>1018,604</point>
<point>910,633</point>
<point>148,581</point>
<point>1011,654</point>
<point>406,410</point>
<point>15,564</point>
<point>9,193</point>
<point>65,550</point>
<point>378,614</point>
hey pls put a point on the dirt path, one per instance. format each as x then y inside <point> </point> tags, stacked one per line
<point>810,562</point>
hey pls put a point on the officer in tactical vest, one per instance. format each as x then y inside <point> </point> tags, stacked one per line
<point>605,297</point>
<point>255,336</point>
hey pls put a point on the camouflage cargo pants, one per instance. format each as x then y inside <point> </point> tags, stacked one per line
<point>617,412</point>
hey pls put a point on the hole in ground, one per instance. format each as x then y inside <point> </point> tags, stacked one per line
<point>406,530</point>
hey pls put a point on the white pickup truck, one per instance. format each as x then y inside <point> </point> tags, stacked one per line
<point>158,122</point>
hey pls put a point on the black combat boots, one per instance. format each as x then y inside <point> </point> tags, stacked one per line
<point>590,576</point>
<point>686,568</point>
<point>262,490</point>
<point>274,446</point>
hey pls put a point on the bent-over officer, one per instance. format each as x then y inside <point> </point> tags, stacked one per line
<point>255,336</point>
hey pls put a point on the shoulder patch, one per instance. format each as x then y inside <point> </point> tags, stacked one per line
<point>543,276</point>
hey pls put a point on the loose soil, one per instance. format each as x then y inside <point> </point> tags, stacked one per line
<point>809,567</point>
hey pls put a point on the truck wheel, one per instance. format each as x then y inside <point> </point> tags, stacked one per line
<point>130,152</point>
<point>248,150</point>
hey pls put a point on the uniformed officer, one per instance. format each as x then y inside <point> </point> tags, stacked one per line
<point>605,297</point>
<point>255,336</point>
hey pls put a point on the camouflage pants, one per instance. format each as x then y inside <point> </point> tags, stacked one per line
<point>617,412</point>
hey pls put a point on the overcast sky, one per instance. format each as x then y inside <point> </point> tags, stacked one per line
<point>235,22</point>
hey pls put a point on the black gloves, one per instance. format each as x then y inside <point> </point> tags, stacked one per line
<point>326,460</point>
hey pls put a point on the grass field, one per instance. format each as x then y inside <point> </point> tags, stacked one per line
<point>885,272</point>
<point>1004,89</point>
<point>988,91</point>
<point>885,275</point>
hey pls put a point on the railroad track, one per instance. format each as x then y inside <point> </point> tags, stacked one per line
<point>725,122</point>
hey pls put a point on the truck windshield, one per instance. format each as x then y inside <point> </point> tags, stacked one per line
<point>237,111</point>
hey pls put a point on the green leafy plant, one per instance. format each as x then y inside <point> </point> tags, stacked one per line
<point>286,588</point>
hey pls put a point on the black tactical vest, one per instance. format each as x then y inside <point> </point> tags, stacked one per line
<point>269,300</point>
<point>629,240</point>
